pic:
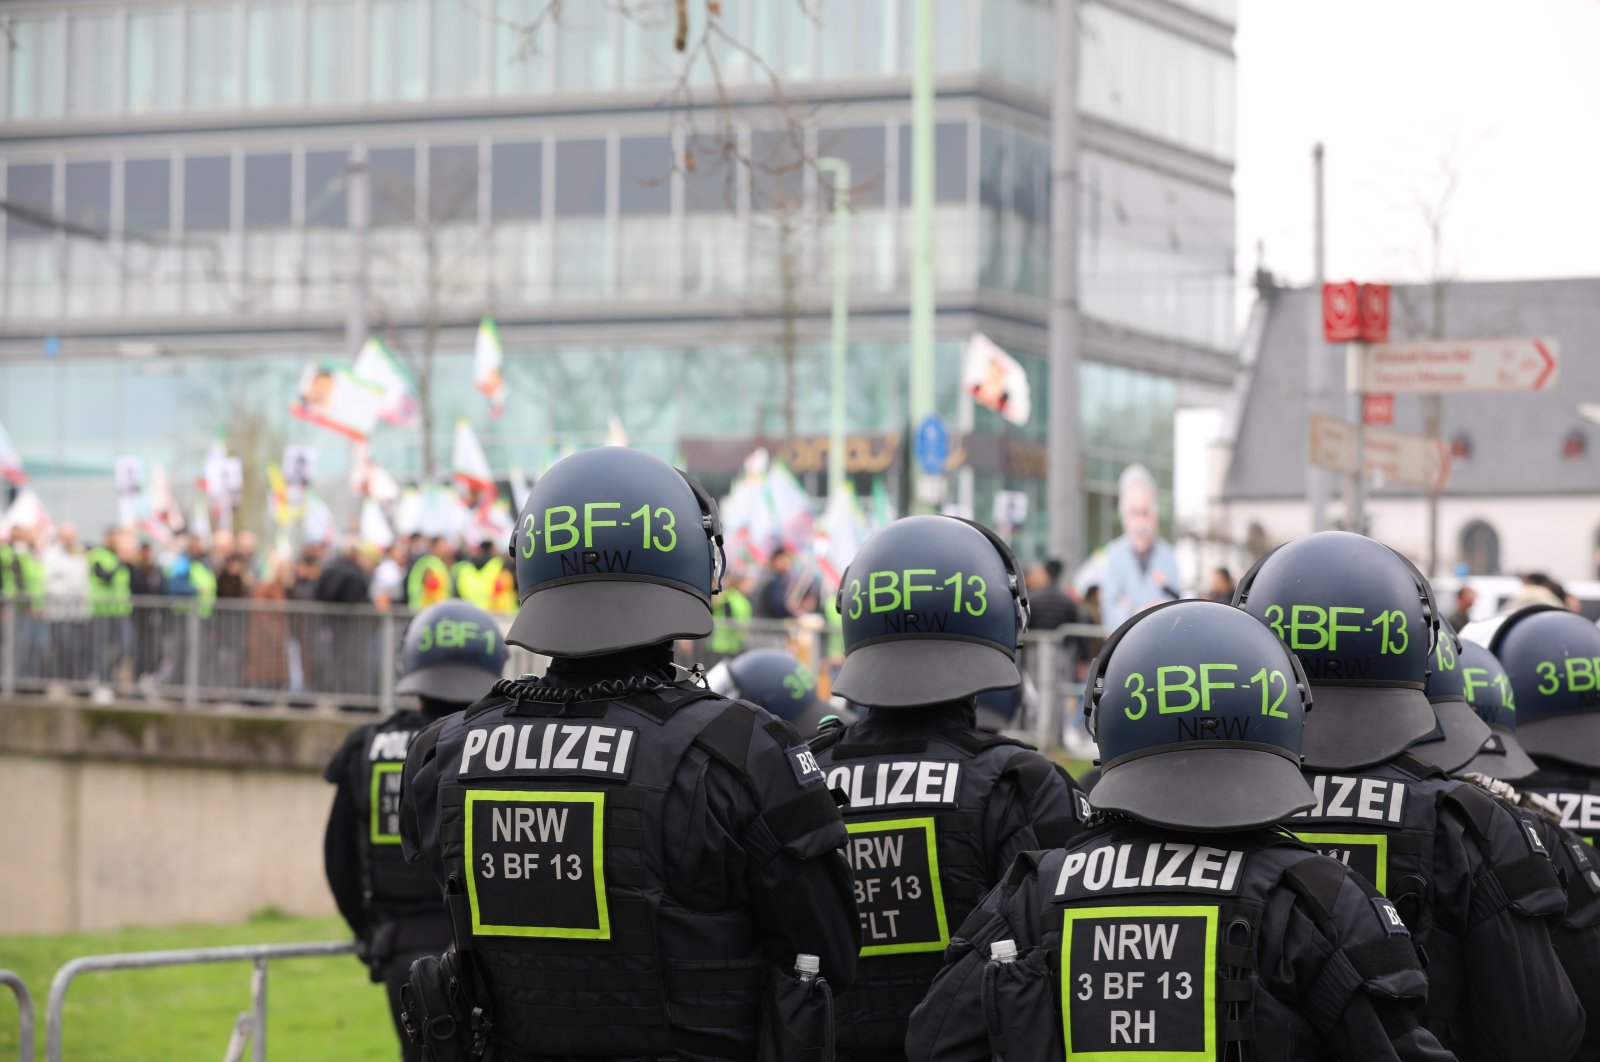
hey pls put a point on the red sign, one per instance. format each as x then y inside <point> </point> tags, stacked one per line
<point>1374,314</point>
<point>1341,312</point>
<point>1377,408</point>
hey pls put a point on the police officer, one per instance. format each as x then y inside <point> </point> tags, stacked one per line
<point>1472,886</point>
<point>1551,786</point>
<point>938,808</point>
<point>627,857</point>
<point>1184,923</point>
<point>775,680</point>
<point>452,654</point>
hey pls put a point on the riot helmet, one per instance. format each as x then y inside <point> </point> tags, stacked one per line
<point>1459,733</point>
<point>1362,621</point>
<point>614,549</point>
<point>1552,658</point>
<point>1198,712</point>
<point>1487,688</point>
<point>774,679</point>
<point>452,652</point>
<point>932,608</point>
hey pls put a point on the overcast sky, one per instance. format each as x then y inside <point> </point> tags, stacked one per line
<point>1509,90</point>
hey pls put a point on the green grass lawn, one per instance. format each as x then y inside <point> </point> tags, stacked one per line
<point>316,1008</point>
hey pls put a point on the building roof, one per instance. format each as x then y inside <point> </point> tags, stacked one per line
<point>1518,443</point>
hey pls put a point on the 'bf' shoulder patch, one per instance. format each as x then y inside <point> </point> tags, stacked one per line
<point>1393,924</point>
<point>804,764</point>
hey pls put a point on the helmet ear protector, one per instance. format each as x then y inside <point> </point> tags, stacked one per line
<point>1430,607</point>
<point>1014,580</point>
<point>1094,682</point>
<point>710,521</point>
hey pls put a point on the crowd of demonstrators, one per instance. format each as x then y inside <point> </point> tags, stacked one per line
<point>117,614</point>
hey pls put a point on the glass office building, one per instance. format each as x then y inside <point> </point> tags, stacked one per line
<point>183,232</point>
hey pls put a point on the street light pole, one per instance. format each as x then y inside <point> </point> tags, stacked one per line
<point>840,170</point>
<point>922,306</point>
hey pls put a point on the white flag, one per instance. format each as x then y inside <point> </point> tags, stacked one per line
<point>488,373</point>
<point>995,379</point>
<point>378,366</point>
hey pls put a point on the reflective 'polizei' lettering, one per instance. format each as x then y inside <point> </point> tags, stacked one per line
<point>1159,865</point>
<point>1363,799</point>
<point>390,745</point>
<point>521,748</point>
<point>904,783</point>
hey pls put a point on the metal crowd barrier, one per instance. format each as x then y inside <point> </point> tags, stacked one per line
<point>300,654</point>
<point>258,954</point>
<point>19,988</point>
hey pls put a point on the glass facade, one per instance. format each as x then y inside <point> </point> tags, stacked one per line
<point>1144,78</point>
<point>223,206</point>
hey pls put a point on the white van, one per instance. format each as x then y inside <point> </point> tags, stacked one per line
<point>1494,591</point>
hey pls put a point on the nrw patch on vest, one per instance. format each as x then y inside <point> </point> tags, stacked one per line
<point>1365,853</point>
<point>534,864</point>
<point>898,892</point>
<point>386,802</point>
<point>1136,983</point>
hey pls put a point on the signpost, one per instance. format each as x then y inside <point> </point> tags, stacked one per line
<point>1455,366</point>
<point>933,445</point>
<point>1392,456</point>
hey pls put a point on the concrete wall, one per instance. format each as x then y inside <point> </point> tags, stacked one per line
<point>118,817</point>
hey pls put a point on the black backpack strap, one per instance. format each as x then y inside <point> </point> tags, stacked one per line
<point>1499,885</point>
<point>1420,768</point>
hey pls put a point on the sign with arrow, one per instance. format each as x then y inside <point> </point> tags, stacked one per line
<point>1391,456</point>
<point>1455,366</point>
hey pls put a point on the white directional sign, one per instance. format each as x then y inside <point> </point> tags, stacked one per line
<point>1448,366</point>
<point>1391,456</point>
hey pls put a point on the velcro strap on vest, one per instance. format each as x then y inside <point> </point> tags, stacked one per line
<point>1499,887</point>
<point>1478,807</point>
<point>1317,880</point>
<point>1386,955</point>
<point>1331,992</point>
<point>1235,991</point>
<point>811,810</point>
<point>975,741</point>
<point>727,738</point>
<point>783,732</point>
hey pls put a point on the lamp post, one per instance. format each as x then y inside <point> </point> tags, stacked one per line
<point>840,171</point>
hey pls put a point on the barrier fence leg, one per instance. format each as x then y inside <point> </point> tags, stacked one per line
<point>191,657</point>
<point>258,997</point>
<point>9,615</point>
<point>1047,727</point>
<point>386,663</point>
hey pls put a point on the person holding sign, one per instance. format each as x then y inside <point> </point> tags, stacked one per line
<point>1469,880</point>
<point>451,656</point>
<point>933,609</point>
<point>632,862</point>
<point>1184,924</point>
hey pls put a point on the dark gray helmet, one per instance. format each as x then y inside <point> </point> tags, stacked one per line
<point>998,709</point>
<point>614,549</point>
<point>1362,620</point>
<point>932,608</point>
<point>1459,733</point>
<point>452,652</point>
<point>1487,688</point>
<point>1552,658</point>
<point>777,681</point>
<point>1198,711</point>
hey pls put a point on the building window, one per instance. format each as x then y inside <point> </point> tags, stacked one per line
<point>35,48</point>
<point>213,73</point>
<point>271,246</point>
<point>649,263</point>
<point>855,38</point>
<point>270,55</point>
<point>207,212</point>
<point>394,51</point>
<point>331,27</point>
<point>325,275</point>
<point>521,66</point>
<point>152,59</point>
<point>516,184</point>
<point>454,52</point>
<point>1147,79</point>
<point>1575,445</point>
<point>394,185</point>
<point>92,65</point>
<point>1461,447</point>
<point>713,248</point>
<point>580,221</point>
<point>1480,548</point>
<point>585,56</point>
<point>150,270</point>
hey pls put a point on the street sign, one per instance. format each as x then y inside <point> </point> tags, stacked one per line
<point>1452,366</point>
<point>933,445</point>
<point>1010,508</point>
<point>1374,302</point>
<point>1391,456</point>
<point>1341,312</point>
<point>1377,408</point>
